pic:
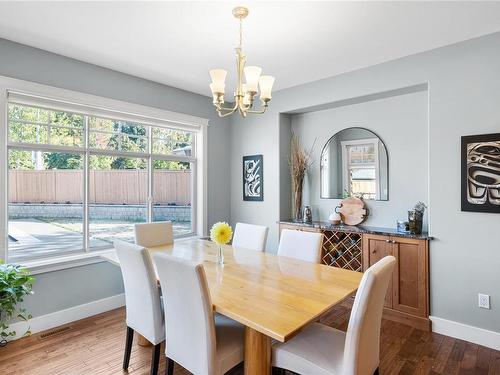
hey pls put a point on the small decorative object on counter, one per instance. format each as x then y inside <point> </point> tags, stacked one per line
<point>308,218</point>
<point>402,226</point>
<point>416,218</point>
<point>221,233</point>
<point>334,217</point>
<point>352,211</point>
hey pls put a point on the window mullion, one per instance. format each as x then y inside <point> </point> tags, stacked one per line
<point>86,187</point>
<point>49,127</point>
<point>194,198</point>
<point>150,175</point>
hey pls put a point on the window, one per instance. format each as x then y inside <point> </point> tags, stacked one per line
<point>78,181</point>
<point>172,192</point>
<point>45,203</point>
<point>361,167</point>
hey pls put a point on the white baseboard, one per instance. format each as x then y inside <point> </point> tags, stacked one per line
<point>72,314</point>
<point>480,336</point>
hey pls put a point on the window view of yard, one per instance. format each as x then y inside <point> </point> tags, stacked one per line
<point>47,184</point>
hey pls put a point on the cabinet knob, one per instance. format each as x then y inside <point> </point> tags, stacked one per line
<point>393,241</point>
<point>374,251</point>
<point>388,241</point>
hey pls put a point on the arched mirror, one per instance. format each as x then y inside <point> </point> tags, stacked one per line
<point>354,162</point>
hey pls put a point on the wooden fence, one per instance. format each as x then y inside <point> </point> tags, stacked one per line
<point>106,187</point>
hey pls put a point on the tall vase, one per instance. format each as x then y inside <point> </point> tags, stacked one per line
<point>220,256</point>
<point>297,199</point>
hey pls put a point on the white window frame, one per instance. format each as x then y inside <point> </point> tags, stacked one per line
<point>30,93</point>
<point>346,165</point>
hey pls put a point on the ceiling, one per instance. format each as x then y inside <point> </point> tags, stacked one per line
<point>176,43</point>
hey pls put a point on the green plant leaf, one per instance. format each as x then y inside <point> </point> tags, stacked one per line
<point>15,283</point>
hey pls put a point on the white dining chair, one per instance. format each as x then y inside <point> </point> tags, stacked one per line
<point>198,340</point>
<point>142,300</point>
<point>154,234</point>
<point>301,245</point>
<point>322,350</point>
<point>250,236</point>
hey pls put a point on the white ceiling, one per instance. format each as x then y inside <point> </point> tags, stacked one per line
<point>176,43</point>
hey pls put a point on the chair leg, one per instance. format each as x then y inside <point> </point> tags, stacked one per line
<point>155,359</point>
<point>128,347</point>
<point>377,371</point>
<point>169,367</point>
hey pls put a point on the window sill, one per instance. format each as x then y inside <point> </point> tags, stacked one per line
<point>40,266</point>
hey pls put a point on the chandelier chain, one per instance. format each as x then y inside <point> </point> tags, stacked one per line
<point>241,33</point>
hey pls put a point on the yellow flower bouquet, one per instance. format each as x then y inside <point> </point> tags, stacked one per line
<point>221,233</point>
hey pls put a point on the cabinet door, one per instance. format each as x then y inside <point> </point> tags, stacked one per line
<point>410,283</point>
<point>375,247</point>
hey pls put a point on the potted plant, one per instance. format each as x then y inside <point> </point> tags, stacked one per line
<point>416,218</point>
<point>16,282</point>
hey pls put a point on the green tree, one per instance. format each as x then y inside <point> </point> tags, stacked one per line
<point>171,165</point>
<point>59,160</point>
<point>20,160</point>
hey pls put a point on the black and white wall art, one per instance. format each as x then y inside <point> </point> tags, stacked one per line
<point>253,178</point>
<point>481,173</point>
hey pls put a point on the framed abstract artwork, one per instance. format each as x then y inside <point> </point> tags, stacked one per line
<point>253,178</point>
<point>481,173</point>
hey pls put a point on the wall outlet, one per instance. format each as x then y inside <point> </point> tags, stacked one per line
<point>484,301</point>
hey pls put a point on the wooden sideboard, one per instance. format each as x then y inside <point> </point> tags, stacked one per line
<point>357,248</point>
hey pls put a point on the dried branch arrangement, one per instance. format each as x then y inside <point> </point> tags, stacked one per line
<point>300,160</point>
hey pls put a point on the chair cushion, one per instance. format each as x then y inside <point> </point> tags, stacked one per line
<point>230,342</point>
<point>317,350</point>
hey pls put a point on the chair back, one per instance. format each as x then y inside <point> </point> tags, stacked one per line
<point>301,245</point>
<point>250,236</point>
<point>189,317</point>
<point>361,351</point>
<point>142,298</point>
<point>154,234</point>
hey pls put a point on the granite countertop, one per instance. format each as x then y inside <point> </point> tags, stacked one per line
<point>358,229</point>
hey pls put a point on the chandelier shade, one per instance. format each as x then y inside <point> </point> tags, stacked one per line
<point>252,75</point>
<point>266,85</point>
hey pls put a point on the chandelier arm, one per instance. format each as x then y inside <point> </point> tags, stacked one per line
<point>220,107</point>
<point>258,111</point>
<point>220,110</point>
<point>224,114</point>
<point>227,109</point>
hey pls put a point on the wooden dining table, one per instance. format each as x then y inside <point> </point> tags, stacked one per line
<point>274,297</point>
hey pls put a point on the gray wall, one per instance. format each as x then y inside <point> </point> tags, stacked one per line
<point>31,64</point>
<point>464,92</point>
<point>59,290</point>
<point>285,134</point>
<point>401,122</point>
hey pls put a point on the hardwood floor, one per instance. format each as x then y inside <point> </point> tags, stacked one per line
<point>95,346</point>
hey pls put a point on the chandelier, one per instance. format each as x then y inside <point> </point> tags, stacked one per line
<point>245,92</point>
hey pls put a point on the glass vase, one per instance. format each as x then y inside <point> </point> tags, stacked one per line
<point>415,219</point>
<point>220,256</point>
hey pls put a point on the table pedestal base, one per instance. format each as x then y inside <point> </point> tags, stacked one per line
<point>142,341</point>
<point>257,353</point>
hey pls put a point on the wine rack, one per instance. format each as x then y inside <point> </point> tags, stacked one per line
<point>343,250</point>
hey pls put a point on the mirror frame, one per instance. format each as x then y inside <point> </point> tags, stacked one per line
<point>321,164</point>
